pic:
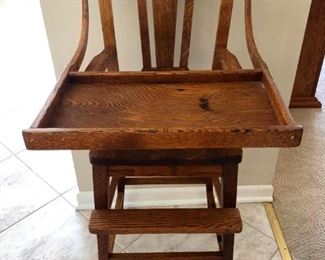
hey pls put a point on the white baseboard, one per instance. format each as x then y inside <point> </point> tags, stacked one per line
<point>185,195</point>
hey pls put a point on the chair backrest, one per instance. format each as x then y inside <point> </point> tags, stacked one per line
<point>164,23</point>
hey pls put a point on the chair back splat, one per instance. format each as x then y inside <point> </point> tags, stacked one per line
<point>164,13</point>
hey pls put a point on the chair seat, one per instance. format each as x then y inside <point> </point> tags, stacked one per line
<point>166,157</point>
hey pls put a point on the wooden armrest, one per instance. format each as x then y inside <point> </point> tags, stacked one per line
<point>275,98</point>
<point>74,65</point>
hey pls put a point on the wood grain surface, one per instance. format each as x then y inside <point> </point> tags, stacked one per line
<point>144,34</point>
<point>203,105</point>
<point>168,256</point>
<point>166,157</point>
<point>167,170</point>
<point>146,221</point>
<point>186,34</point>
<point>225,13</point>
<point>225,60</point>
<point>164,17</point>
<point>106,16</point>
<point>160,138</point>
<point>143,110</point>
<point>169,76</point>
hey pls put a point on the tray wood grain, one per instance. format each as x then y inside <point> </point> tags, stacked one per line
<point>162,110</point>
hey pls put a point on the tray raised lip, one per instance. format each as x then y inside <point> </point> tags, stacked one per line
<point>76,138</point>
<point>286,134</point>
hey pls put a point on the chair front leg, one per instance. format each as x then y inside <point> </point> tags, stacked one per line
<point>101,193</point>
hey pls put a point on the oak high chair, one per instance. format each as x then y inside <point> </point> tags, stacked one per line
<point>164,125</point>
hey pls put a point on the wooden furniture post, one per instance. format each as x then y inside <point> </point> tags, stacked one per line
<point>311,59</point>
<point>229,197</point>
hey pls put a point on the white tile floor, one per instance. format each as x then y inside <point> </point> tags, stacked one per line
<point>38,220</point>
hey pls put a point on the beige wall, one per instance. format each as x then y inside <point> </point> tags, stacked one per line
<point>278,25</point>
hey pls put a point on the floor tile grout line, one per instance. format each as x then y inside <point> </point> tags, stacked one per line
<point>67,201</point>
<point>47,203</point>
<point>247,223</point>
<point>130,243</point>
<point>243,221</point>
<point>277,249</point>
<point>10,150</point>
<point>6,158</point>
<point>20,152</point>
<point>59,193</point>
<point>140,235</point>
<point>69,189</point>
<point>70,204</point>
<point>29,214</point>
<point>62,195</point>
<point>78,211</point>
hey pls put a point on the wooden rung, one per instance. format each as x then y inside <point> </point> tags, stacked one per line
<point>159,221</point>
<point>161,256</point>
<point>183,170</point>
<point>112,190</point>
<point>217,187</point>
<point>166,180</point>
<point>151,157</point>
<point>210,196</point>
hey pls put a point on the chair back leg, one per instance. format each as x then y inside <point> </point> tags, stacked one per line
<point>101,193</point>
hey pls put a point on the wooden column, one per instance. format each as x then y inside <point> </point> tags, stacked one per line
<point>311,59</point>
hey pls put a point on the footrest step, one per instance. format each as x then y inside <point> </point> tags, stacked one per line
<point>163,256</point>
<point>158,221</point>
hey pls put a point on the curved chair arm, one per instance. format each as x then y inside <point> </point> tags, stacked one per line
<point>254,54</point>
<point>276,100</point>
<point>74,65</point>
<point>79,54</point>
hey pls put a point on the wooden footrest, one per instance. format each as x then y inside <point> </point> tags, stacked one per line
<point>158,221</point>
<point>161,256</point>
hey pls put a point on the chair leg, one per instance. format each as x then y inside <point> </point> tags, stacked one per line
<point>119,183</point>
<point>111,192</point>
<point>120,193</point>
<point>100,184</point>
<point>228,200</point>
<point>212,204</point>
<point>217,188</point>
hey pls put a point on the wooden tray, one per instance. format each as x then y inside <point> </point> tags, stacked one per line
<point>163,110</point>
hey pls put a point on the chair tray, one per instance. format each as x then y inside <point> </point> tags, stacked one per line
<point>161,110</point>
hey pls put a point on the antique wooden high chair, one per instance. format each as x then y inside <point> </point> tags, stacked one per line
<point>164,125</point>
